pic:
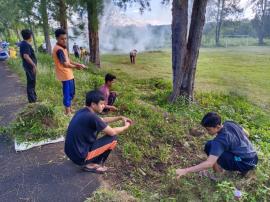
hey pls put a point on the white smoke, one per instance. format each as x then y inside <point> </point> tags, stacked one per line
<point>120,33</point>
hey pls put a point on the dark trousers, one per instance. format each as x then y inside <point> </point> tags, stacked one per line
<point>111,100</point>
<point>132,59</point>
<point>31,85</point>
<point>101,149</point>
<point>229,161</point>
<point>77,55</point>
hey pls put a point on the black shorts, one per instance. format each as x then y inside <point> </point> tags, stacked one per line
<point>228,161</point>
<point>98,151</point>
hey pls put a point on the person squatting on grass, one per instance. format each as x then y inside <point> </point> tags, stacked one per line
<point>82,145</point>
<point>109,96</point>
<point>29,64</point>
<point>64,69</point>
<point>230,149</point>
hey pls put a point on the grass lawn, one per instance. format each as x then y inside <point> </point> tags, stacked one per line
<point>245,70</point>
<point>233,82</point>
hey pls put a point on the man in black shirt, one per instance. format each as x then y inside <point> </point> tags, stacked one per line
<point>82,145</point>
<point>29,64</point>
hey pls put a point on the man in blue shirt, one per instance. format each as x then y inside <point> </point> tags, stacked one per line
<point>230,149</point>
<point>82,145</point>
<point>29,64</point>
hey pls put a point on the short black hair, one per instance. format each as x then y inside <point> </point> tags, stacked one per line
<point>211,119</point>
<point>94,96</point>
<point>109,77</point>
<point>59,32</point>
<point>26,34</point>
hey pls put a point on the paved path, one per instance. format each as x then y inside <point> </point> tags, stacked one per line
<point>39,174</point>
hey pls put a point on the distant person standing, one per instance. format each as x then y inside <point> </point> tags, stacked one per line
<point>82,53</point>
<point>76,50</point>
<point>29,64</point>
<point>87,58</point>
<point>64,69</point>
<point>133,55</point>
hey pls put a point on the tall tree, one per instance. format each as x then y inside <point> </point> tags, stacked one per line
<point>45,24</point>
<point>59,9</point>
<point>261,19</point>
<point>63,15</point>
<point>185,46</point>
<point>61,12</point>
<point>94,9</point>
<point>28,15</point>
<point>186,42</point>
<point>9,17</point>
<point>223,9</point>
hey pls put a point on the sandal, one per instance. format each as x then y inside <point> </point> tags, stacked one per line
<point>95,169</point>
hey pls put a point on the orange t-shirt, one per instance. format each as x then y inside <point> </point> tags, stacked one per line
<point>62,73</point>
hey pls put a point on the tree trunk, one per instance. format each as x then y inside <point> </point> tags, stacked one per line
<point>261,29</point>
<point>45,25</point>
<point>94,48</point>
<point>217,22</point>
<point>260,36</point>
<point>185,52</point>
<point>93,32</point>
<point>8,38</point>
<point>193,46</point>
<point>63,18</point>
<point>179,38</point>
<point>33,34</point>
<point>220,15</point>
<point>17,34</point>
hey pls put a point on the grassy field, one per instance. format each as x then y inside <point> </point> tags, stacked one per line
<point>233,82</point>
<point>244,71</point>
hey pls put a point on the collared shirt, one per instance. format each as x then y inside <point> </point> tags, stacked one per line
<point>232,138</point>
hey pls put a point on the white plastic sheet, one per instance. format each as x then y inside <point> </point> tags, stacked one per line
<point>28,145</point>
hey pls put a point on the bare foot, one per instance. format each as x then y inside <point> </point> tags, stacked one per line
<point>68,114</point>
<point>72,110</point>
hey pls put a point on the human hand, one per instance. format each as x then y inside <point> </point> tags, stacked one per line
<point>127,123</point>
<point>79,66</point>
<point>180,172</point>
<point>34,69</point>
<point>83,66</point>
<point>113,108</point>
<point>126,119</point>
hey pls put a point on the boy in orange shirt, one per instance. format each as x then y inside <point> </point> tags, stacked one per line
<point>64,69</point>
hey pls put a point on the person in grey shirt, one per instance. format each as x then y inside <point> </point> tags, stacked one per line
<point>230,149</point>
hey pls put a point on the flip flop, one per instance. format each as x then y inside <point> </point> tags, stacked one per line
<point>93,170</point>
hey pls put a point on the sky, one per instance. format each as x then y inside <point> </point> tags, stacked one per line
<point>161,14</point>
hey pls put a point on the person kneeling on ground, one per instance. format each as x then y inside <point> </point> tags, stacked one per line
<point>82,145</point>
<point>230,149</point>
<point>110,97</point>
